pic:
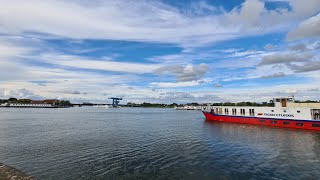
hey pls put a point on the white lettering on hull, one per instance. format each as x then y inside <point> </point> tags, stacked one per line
<point>278,115</point>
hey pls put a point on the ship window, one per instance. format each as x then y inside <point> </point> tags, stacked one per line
<point>316,114</point>
<point>315,125</point>
<point>234,111</point>
<point>299,124</point>
<point>286,123</point>
<point>274,122</point>
<point>298,111</point>
<point>242,111</point>
<point>277,100</point>
<point>251,111</point>
<point>284,111</point>
<point>262,121</point>
<point>272,110</point>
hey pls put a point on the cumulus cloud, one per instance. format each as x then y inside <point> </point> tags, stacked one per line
<point>188,73</point>
<point>194,83</point>
<point>275,75</point>
<point>307,29</point>
<point>290,91</point>
<point>306,67</point>
<point>21,93</point>
<point>314,89</point>
<point>217,86</point>
<point>73,92</point>
<point>249,14</point>
<point>284,58</point>
<point>299,47</point>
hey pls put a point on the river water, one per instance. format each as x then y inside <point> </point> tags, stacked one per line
<point>148,143</point>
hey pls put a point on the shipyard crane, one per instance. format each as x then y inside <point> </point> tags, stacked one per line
<point>115,101</point>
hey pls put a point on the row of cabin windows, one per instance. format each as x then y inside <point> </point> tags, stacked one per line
<point>234,111</point>
<point>30,104</point>
<point>251,112</point>
<point>287,123</point>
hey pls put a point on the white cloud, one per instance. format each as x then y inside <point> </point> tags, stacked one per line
<point>21,93</point>
<point>150,21</point>
<point>246,53</point>
<point>188,73</point>
<point>217,86</point>
<point>306,67</point>
<point>285,58</point>
<point>98,64</point>
<point>176,84</point>
<point>11,50</point>
<point>249,15</point>
<point>309,28</point>
<point>274,75</point>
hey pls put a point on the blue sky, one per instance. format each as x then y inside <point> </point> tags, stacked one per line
<point>160,51</point>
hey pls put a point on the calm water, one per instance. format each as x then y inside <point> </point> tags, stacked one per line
<point>137,143</point>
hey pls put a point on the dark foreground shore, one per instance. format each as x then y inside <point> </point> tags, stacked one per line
<point>10,173</point>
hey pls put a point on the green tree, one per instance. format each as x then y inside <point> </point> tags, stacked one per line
<point>65,103</point>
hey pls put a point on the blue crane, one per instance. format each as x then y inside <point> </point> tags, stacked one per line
<point>115,101</point>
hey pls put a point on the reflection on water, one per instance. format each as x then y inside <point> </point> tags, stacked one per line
<point>146,143</point>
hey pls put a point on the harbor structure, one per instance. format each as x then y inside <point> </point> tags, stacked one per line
<point>115,101</point>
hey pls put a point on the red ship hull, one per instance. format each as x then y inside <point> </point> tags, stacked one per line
<point>286,123</point>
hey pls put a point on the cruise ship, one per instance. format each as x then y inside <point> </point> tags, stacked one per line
<point>286,113</point>
<point>22,105</point>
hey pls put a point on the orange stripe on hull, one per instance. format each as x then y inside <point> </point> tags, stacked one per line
<point>309,125</point>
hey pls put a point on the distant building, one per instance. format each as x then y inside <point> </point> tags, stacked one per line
<point>24,101</point>
<point>52,101</point>
<point>37,102</point>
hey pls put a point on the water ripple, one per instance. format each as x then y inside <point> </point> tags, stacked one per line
<point>137,143</point>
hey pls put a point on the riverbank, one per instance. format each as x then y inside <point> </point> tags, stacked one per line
<point>10,173</point>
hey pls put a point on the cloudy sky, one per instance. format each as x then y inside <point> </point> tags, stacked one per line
<point>160,50</point>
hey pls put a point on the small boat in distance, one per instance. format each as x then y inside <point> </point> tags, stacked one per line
<point>285,113</point>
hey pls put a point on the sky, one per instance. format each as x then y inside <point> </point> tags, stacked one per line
<point>160,51</point>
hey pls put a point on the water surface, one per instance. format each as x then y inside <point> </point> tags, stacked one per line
<point>147,143</point>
